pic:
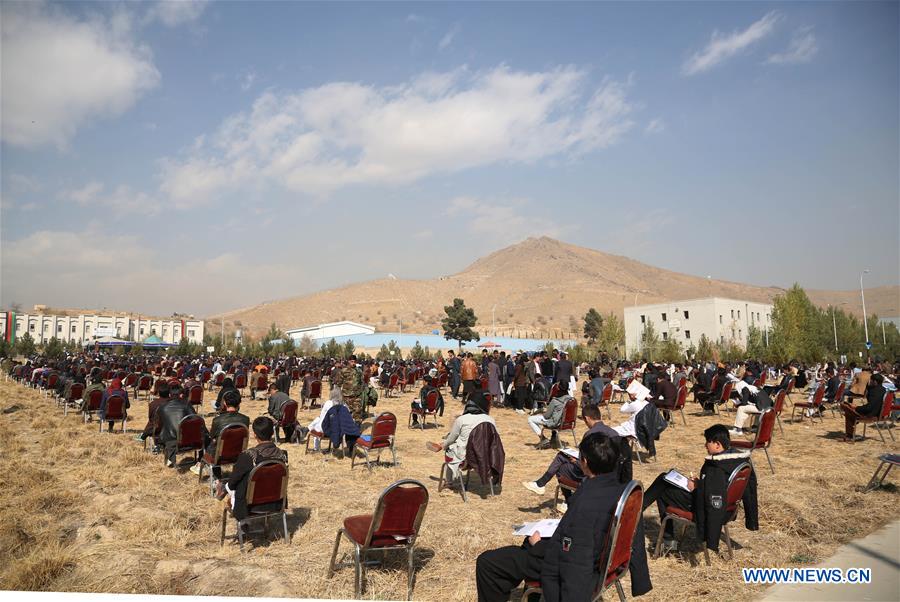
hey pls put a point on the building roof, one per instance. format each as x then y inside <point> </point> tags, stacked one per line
<point>326,325</point>
<point>674,301</point>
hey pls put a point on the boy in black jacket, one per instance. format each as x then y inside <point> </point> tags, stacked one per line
<point>708,495</point>
<point>567,562</point>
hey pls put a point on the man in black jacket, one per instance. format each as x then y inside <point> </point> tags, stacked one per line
<point>875,393</point>
<point>707,497</point>
<point>170,415</point>
<point>567,562</point>
<point>231,403</point>
<point>564,370</point>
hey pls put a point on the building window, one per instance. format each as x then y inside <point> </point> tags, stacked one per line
<point>664,317</point>
<point>687,334</point>
<point>665,336</point>
<point>73,329</point>
<point>59,328</point>
<point>720,318</point>
<point>739,314</point>
<point>732,314</point>
<point>142,332</point>
<point>643,319</point>
<point>721,338</point>
<point>190,333</point>
<point>732,333</point>
<point>687,314</point>
<point>31,327</point>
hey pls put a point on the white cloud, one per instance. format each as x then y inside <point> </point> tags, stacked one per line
<point>801,49</point>
<point>449,36</point>
<point>655,126</point>
<point>120,200</point>
<point>246,80</point>
<point>173,13</point>
<point>59,73</point>
<point>340,134</point>
<point>59,268</point>
<point>414,18</point>
<point>722,47</point>
<point>503,220</point>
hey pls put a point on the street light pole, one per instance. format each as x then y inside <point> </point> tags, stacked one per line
<point>862,293</point>
<point>834,325</point>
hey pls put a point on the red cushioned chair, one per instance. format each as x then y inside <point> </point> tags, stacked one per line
<point>680,400</point>
<point>130,380</point>
<point>616,555</point>
<point>322,438</point>
<point>763,439</point>
<point>887,405</point>
<point>737,482</point>
<point>381,437</point>
<point>115,410</point>
<point>189,437</point>
<point>430,409</point>
<point>195,396</point>
<point>838,398</point>
<point>76,391</point>
<point>606,398</point>
<point>93,404</point>
<point>315,393</point>
<point>563,483</point>
<point>569,420</point>
<point>288,418</point>
<point>393,526</point>
<point>392,384</point>
<point>815,404</point>
<point>778,407</point>
<point>724,397</point>
<point>218,380</point>
<point>144,383</point>
<point>231,442</point>
<point>266,484</point>
<point>262,383</point>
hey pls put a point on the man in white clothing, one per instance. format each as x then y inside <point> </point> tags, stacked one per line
<point>638,394</point>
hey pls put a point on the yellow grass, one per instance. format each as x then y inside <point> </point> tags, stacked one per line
<point>89,512</point>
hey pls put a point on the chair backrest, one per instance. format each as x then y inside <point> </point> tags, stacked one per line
<point>887,405</point>
<point>288,413</point>
<point>262,383</point>
<point>195,395</point>
<point>220,378</point>
<point>819,395</point>
<point>267,483</point>
<point>737,482</point>
<point>714,382</point>
<point>442,380</point>
<point>778,405</point>
<point>130,380</point>
<point>760,381</point>
<point>554,390</point>
<point>94,400</point>
<point>570,414</point>
<point>839,394</point>
<point>606,395</point>
<point>76,391</point>
<point>766,427</point>
<point>431,400</point>
<point>681,398</point>
<point>383,429</point>
<point>190,431</point>
<point>232,441</point>
<point>393,380</point>
<point>398,513</point>
<point>726,391</point>
<point>295,374</point>
<point>52,380</point>
<point>315,389</point>
<point>615,558</point>
<point>240,381</point>
<point>115,407</point>
<point>144,382</point>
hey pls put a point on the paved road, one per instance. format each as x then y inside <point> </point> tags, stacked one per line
<point>880,551</point>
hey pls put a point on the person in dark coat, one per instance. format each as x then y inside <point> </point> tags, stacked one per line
<point>875,393</point>
<point>263,431</point>
<point>170,415</point>
<point>338,425</point>
<point>231,404</point>
<point>567,563</point>
<point>564,370</point>
<point>708,495</point>
<point>484,451</point>
<point>453,368</point>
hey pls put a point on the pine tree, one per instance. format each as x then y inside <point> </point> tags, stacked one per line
<point>459,323</point>
<point>593,325</point>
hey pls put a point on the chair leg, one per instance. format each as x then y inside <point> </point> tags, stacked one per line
<point>462,486</point>
<point>683,419</point>
<point>337,543</point>
<point>358,568</point>
<point>780,428</point>
<point>412,572</point>
<point>659,537</point>
<point>441,477</point>
<point>769,458</point>
<point>880,434</point>
<point>864,431</point>
<point>706,554</point>
<point>287,535</point>
<point>728,542</point>
<point>620,591</point>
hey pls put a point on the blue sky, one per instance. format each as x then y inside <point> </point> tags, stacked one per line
<point>199,157</point>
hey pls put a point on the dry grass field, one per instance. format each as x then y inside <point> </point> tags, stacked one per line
<point>91,512</point>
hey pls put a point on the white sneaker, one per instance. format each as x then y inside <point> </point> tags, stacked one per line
<point>736,432</point>
<point>520,411</point>
<point>562,507</point>
<point>170,464</point>
<point>196,468</point>
<point>533,486</point>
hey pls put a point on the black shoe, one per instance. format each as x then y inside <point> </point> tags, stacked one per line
<point>543,444</point>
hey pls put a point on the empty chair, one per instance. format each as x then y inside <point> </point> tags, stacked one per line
<point>266,485</point>
<point>815,405</point>
<point>92,404</point>
<point>394,525</point>
<point>763,439</point>
<point>381,437</point>
<point>76,390</point>
<point>144,383</point>
<point>315,393</point>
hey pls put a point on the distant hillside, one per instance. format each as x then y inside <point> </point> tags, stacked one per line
<point>539,287</point>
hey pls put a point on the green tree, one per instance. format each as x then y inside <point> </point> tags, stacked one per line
<point>671,351</point>
<point>593,325</point>
<point>307,348</point>
<point>6,349</point>
<point>349,348</point>
<point>184,347</point>
<point>756,344</point>
<point>612,335</point>
<point>25,345</point>
<point>274,333</point>
<point>266,346</point>
<point>459,323</point>
<point>390,351</point>
<point>799,329</point>
<point>704,349</point>
<point>332,349</point>
<point>137,349</point>
<point>54,348</point>
<point>418,353</point>
<point>649,341</point>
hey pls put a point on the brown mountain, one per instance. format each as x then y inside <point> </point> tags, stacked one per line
<point>540,287</point>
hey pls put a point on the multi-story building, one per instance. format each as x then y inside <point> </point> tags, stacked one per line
<point>721,320</point>
<point>43,325</point>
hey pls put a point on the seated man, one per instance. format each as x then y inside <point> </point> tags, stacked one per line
<point>115,388</point>
<point>566,563</point>
<point>263,431</point>
<point>170,415</point>
<point>638,395</point>
<point>702,393</point>
<point>874,399</point>
<point>550,419</point>
<point>339,426</point>
<point>454,445</point>
<point>151,429</point>
<point>307,380</point>
<point>860,381</point>
<point>596,384</point>
<point>665,394</point>
<point>316,424</point>
<point>96,385</point>
<point>277,399</point>
<point>706,497</point>
<point>231,404</point>
<point>753,401</point>
<point>783,384</point>
<point>566,466</point>
<point>418,404</point>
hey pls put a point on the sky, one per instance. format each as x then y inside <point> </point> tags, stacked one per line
<point>197,157</point>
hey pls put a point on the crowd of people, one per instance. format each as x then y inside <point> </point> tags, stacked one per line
<point>542,387</point>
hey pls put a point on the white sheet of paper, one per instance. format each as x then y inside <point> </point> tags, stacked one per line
<point>546,528</point>
<point>638,390</point>
<point>571,451</point>
<point>676,478</point>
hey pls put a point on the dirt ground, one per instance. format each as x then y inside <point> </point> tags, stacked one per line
<point>91,512</point>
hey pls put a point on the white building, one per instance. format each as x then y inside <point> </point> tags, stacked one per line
<point>85,328</point>
<point>721,320</point>
<point>332,329</point>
